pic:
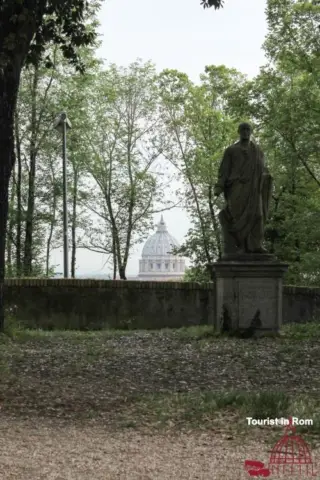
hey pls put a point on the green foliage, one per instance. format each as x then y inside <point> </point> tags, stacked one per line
<point>282,103</point>
<point>198,129</point>
<point>114,177</point>
<point>199,274</point>
<point>36,184</point>
<point>111,177</point>
<point>40,24</point>
<point>119,124</point>
<point>212,3</point>
<point>268,405</point>
<point>27,29</point>
<point>38,269</point>
<point>300,331</point>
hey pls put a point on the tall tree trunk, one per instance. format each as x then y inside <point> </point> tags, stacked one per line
<point>6,145</point>
<point>74,221</point>
<point>9,84</point>
<point>11,62</point>
<point>11,224</point>
<point>114,255</point>
<point>48,248</point>
<point>53,221</point>
<point>115,235</point>
<point>215,224</point>
<point>19,216</point>
<point>27,261</point>
<point>132,202</point>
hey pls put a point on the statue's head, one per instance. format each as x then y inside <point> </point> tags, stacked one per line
<point>245,131</point>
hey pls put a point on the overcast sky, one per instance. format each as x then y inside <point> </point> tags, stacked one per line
<point>177,34</point>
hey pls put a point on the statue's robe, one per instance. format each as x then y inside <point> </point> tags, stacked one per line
<point>247,187</point>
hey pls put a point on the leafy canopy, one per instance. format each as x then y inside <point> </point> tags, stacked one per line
<point>42,23</point>
<point>212,3</point>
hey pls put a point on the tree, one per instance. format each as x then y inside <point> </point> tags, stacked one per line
<point>33,127</point>
<point>198,131</point>
<point>123,153</point>
<point>26,28</point>
<point>73,98</point>
<point>212,3</point>
<point>37,176</point>
<point>219,3</point>
<point>177,94</point>
<point>283,105</point>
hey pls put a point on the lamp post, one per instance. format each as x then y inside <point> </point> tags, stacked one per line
<point>61,124</point>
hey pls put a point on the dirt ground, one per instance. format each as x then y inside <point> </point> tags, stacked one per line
<point>47,451</point>
<point>79,375</point>
<point>88,406</point>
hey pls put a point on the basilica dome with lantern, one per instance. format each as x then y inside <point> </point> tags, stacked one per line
<point>158,262</point>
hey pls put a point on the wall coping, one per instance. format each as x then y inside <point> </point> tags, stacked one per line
<point>133,284</point>
<point>94,283</point>
<point>294,290</point>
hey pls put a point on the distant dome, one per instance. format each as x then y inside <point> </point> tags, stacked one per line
<point>161,243</point>
<point>158,262</point>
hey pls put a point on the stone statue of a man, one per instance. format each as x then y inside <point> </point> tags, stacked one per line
<point>247,186</point>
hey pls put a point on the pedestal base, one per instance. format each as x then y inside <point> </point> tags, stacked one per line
<point>248,294</point>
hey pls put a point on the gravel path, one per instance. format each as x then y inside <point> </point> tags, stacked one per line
<point>47,452</point>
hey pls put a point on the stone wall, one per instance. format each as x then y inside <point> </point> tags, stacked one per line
<point>95,304</point>
<point>300,304</point>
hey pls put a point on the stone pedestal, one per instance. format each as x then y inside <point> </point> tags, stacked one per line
<point>248,293</point>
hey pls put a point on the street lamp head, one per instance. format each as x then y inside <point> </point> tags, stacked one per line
<point>60,120</point>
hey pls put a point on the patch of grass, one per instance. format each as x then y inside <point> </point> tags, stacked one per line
<point>294,331</point>
<point>4,367</point>
<point>288,352</point>
<point>206,409</point>
<point>196,332</point>
<point>12,328</point>
<point>287,349</point>
<point>94,352</point>
<point>300,331</point>
<point>129,424</point>
<point>223,400</point>
<point>267,404</point>
<point>196,406</point>
<point>200,333</point>
<point>71,336</point>
<point>5,339</point>
<point>307,408</point>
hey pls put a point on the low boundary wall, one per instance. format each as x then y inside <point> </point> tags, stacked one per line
<point>94,304</point>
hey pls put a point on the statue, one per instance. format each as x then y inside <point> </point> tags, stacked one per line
<point>247,186</point>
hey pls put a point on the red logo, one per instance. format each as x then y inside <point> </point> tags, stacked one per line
<point>290,456</point>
